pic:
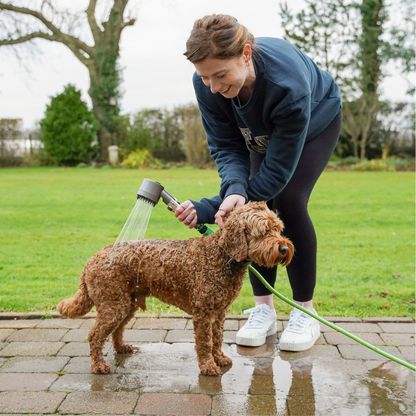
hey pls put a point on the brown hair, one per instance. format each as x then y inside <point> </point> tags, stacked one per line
<point>217,36</point>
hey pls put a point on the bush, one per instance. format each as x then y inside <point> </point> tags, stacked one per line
<point>140,159</point>
<point>379,165</point>
<point>69,129</point>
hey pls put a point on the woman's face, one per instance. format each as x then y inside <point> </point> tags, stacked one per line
<point>226,76</point>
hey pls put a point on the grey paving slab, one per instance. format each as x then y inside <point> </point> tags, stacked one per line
<point>328,351</point>
<point>229,325</point>
<point>89,323</point>
<point>3,345</point>
<point>26,382</point>
<point>31,349</point>
<point>12,315</point>
<point>82,365</point>
<point>37,335</point>
<point>398,339</point>
<point>99,402</point>
<point>346,406</point>
<point>180,336</point>
<point>79,349</point>
<point>61,323</point>
<point>162,323</point>
<point>2,361</point>
<point>388,319</point>
<point>87,382</point>
<point>227,404</point>
<point>336,338</point>
<point>354,327</point>
<point>408,353</point>
<point>76,335</point>
<point>397,328</point>
<point>173,404</point>
<point>144,335</point>
<point>34,365</point>
<point>360,352</point>
<point>4,333</point>
<point>30,402</point>
<point>18,324</point>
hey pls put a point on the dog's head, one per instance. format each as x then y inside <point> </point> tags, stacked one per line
<point>253,232</point>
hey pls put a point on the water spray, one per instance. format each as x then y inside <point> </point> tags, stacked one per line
<point>152,191</point>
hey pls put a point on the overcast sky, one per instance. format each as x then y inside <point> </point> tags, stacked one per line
<point>156,74</point>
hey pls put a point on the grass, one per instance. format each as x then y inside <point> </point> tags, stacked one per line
<point>53,219</point>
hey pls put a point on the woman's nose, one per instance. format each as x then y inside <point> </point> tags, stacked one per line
<point>215,87</point>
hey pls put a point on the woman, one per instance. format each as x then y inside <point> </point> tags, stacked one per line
<point>272,120</point>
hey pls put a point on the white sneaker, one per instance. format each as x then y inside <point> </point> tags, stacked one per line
<point>261,323</point>
<point>301,332</point>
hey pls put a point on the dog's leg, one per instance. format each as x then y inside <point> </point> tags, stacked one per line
<point>109,317</point>
<point>203,345</point>
<point>217,335</point>
<point>118,335</point>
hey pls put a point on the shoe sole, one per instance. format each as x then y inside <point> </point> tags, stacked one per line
<point>256,342</point>
<point>296,347</point>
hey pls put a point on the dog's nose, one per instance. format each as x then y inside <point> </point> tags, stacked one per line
<point>283,250</point>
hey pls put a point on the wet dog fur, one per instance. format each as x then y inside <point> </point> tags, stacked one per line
<point>190,274</point>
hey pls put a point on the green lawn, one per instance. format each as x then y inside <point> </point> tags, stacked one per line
<point>53,219</point>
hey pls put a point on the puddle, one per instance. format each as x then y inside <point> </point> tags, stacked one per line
<point>260,380</point>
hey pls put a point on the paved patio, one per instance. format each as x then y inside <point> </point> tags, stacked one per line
<point>45,369</point>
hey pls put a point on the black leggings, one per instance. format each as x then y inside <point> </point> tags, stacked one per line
<point>292,207</point>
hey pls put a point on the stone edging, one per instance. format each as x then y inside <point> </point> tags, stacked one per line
<point>56,315</point>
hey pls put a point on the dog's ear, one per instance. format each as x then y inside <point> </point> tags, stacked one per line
<point>233,239</point>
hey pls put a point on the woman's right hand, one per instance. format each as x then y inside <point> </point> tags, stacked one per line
<point>232,202</point>
<point>186,213</point>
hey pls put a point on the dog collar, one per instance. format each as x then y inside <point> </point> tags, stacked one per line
<point>231,262</point>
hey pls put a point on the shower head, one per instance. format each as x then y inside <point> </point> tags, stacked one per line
<point>152,191</point>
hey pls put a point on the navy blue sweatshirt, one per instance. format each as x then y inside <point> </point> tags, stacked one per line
<point>292,102</point>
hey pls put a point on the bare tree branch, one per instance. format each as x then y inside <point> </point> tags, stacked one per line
<point>72,42</point>
<point>95,29</point>
<point>26,38</point>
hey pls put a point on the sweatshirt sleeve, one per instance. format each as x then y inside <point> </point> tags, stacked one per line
<point>290,126</point>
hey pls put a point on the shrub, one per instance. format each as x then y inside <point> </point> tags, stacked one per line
<point>140,159</point>
<point>380,165</point>
<point>69,128</point>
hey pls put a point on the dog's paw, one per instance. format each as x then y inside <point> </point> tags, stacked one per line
<point>223,361</point>
<point>210,369</point>
<point>124,349</point>
<point>101,368</point>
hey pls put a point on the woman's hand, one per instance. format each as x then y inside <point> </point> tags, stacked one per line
<point>186,213</point>
<point>229,204</point>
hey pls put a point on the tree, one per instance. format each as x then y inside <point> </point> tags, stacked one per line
<point>195,139</point>
<point>326,30</point>
<point>10,130</point>
<point>23,25</point>
<point>352,56</point>
<point>401,47</point>
<point>69,128</point>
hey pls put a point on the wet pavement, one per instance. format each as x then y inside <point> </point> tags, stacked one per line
<point>45,369</point>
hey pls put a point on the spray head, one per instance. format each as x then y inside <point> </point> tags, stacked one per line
<point>152,191</point>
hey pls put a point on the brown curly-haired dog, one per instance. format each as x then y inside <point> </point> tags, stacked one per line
<point>202,276</point>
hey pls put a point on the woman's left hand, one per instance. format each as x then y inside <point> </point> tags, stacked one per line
<point>186,213</point>
<point>229,204</point>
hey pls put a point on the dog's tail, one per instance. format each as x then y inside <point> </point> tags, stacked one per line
<point>79,305</point>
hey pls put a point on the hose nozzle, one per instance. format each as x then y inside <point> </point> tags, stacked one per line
<point>152,191</point>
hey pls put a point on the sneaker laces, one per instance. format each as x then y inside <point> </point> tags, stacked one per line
<point>298,320</point>
<point>258,315</point>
